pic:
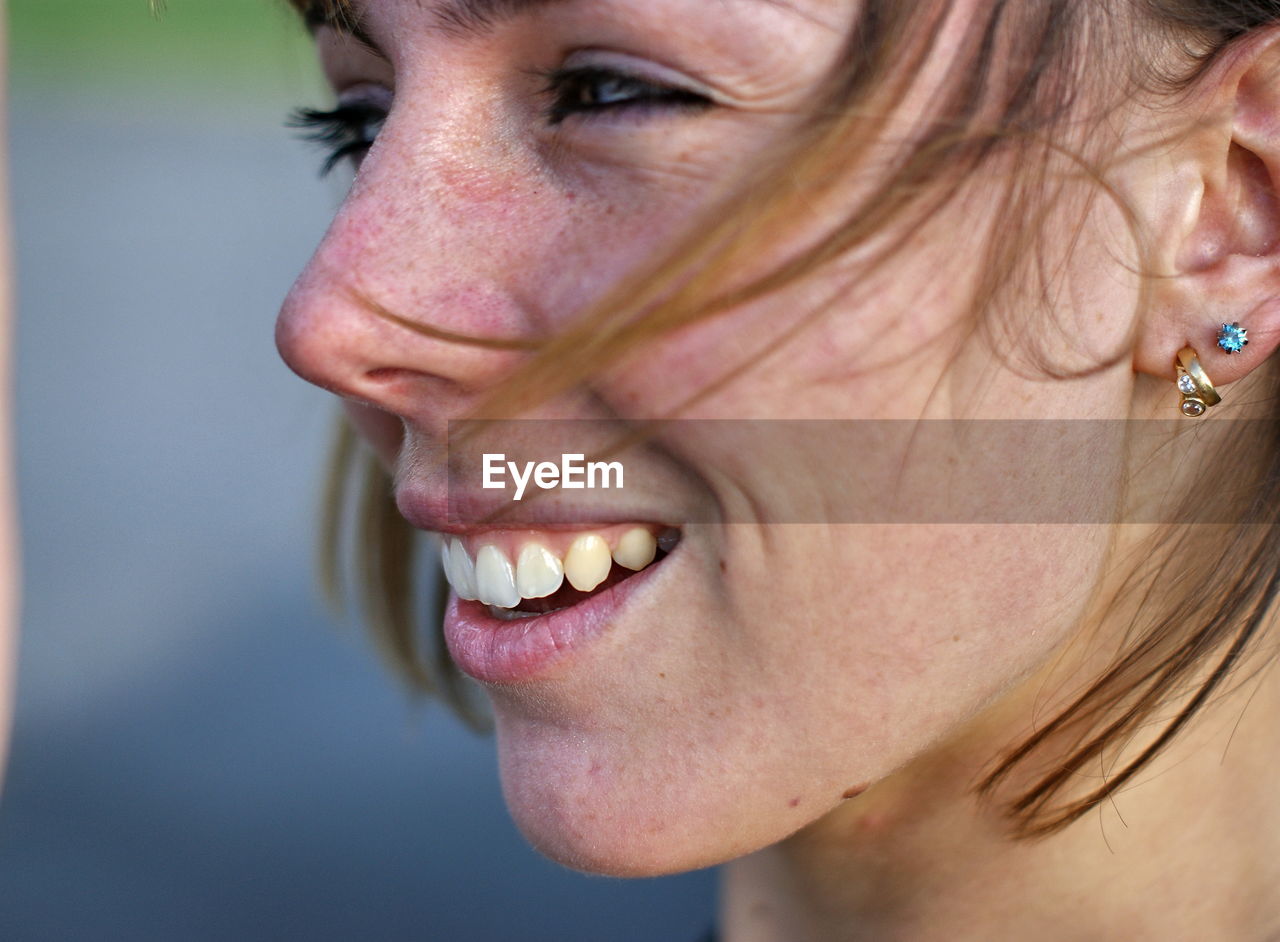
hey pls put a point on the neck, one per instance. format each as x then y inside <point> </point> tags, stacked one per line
<point>1188,849</point>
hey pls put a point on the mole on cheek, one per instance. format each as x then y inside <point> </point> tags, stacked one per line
<point>854,791</point>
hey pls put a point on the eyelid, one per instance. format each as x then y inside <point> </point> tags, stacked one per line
<point>644,70</point>
<point>366,93</point>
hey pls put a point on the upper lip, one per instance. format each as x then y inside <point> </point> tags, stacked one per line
<point>457,512</point>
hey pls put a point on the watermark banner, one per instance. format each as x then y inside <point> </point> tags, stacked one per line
<point>862,471</point>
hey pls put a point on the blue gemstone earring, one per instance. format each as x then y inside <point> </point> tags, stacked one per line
<point>1232,337</point>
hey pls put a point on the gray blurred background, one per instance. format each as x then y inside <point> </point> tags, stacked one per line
<point>201,751</point>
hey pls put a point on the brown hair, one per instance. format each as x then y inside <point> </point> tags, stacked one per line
<point>1022,72</point>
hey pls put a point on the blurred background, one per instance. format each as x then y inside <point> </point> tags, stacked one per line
<point>201,751</point>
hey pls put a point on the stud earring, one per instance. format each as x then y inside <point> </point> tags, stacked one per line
<point>1232,337</point>
<point>1198,393</point>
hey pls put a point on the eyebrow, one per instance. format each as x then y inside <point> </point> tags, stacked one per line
<point>458,16</point>
<point>341,15</point>
<point>480,16</point>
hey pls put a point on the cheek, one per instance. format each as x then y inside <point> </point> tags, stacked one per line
<point>383,431</point>
<point>828,658</point>
<point>899,630</point>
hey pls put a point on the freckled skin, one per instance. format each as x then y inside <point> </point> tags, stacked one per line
<point>459,219</point>
<point>770,660</point>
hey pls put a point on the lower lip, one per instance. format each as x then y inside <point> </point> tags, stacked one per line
<point>495,651</point>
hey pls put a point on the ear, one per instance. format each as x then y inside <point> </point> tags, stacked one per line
<point>1218,223</point>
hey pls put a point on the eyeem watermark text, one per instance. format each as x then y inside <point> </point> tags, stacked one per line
<point>573,473</point>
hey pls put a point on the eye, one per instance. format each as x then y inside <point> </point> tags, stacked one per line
<point>590,91</point>
<point>346,132</point>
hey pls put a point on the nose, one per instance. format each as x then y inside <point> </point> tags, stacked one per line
<point>413,301</point>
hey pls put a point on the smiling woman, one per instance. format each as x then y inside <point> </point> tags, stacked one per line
<point>837,260</point>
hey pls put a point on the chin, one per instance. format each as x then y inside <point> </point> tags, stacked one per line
<point>619,813</point>
<point>612,833</point>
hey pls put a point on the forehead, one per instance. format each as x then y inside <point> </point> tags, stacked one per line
<point>478,14</point>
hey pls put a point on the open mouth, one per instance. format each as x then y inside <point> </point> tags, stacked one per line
<point>526,574</point>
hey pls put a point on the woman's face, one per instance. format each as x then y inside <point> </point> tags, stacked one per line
<point>775,662</point>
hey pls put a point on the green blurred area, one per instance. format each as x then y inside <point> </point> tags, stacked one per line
<point>206,49</point>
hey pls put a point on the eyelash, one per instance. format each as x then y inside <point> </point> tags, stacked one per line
<point>570,93</point>
<point>348,131</point>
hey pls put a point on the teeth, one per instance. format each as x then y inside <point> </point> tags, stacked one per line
<point>587,563</point>
<point>496,578</point>
<point>538,573</point>
<point>459,570</point>
<point>636,549</point>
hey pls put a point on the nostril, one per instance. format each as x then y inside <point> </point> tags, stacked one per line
<point>398,387</point>
<point>398,375</point>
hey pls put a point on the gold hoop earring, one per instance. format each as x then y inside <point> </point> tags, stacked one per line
<point>1198,393</point>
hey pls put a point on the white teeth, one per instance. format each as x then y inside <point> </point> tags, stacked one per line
<point>588,562</point>
<point>539,572</point>
<point>636,549</point>
<point>459,570</point>
<point>496,578</point>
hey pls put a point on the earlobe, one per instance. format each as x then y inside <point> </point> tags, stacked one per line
<point>1224,256</point>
